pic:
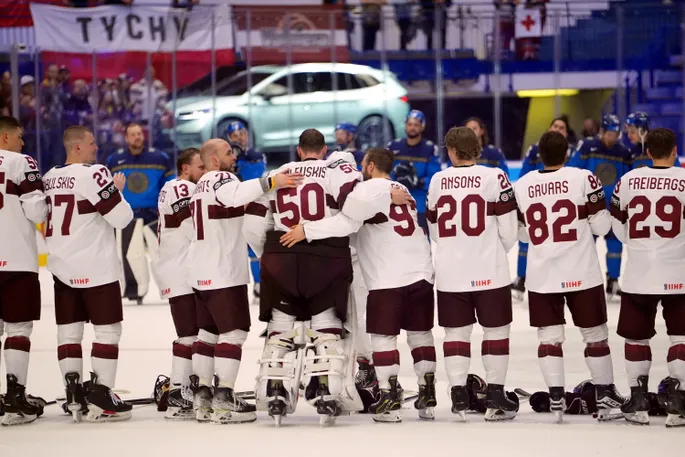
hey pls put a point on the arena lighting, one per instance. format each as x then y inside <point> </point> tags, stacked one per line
<point>546,92</point>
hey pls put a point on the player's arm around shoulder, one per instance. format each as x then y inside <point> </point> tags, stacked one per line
<point>618,209</point>
<point>505,209</point>
<point>523,235</point>
<point>595,204</point>
<point>103,191</point>
<point>32,197</point>
<point>431,204</point>
<point>257,221</point>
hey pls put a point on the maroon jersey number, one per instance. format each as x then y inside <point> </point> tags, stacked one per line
<point>668,209</point>
<point>536,218</point>
<point>70,202</point>
<point>447,205</point>
<point>312,204</point>
<point>196,212</point>
<point>405,222</point>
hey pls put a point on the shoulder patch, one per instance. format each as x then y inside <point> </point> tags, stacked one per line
<point>336,163</point>
<point>222,182</point>
<point>180,204</point>
<point>108,191</point>
<point>32,176</point>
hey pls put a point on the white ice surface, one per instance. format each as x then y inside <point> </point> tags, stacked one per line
<point>145,352</point>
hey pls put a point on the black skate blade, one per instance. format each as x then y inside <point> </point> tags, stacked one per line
<point>522,393</point>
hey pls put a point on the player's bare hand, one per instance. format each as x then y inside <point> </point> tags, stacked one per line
<point>294,236</point>
<point>119,180</point>
<point>287,180</point>
<point>400,196</point>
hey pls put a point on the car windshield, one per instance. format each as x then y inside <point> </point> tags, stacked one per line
<point>237,85</point>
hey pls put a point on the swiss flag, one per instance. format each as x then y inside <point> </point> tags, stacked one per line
<point>528,22</point>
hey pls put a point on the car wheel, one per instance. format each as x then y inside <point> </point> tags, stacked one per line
<point>221,129</point>
<point>371,132</point>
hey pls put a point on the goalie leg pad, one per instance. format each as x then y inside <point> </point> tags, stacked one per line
<point>280,366</point>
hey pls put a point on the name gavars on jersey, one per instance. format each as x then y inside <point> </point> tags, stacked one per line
<point>460,182</point>
<point>654,183</point>
<point>548,188</point>
<point>59,182</point>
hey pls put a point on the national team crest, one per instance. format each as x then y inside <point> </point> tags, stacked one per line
<point>606,172</point>
<point>137,182</point>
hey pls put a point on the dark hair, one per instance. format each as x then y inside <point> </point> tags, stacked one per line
<point>484,129</point>
<point>464,141</point>
<point>311,140</point>
<point>132,124</point>
<point>660,143</point>
<point>184,158</point>
<point>8,123</point>
<point>563,118</point>
<point>553,148</point>
<point>382,158</point>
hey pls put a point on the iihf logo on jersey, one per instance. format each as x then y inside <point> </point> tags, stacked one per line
<point>481,283</point>
<point>673,286</point>
<point>571,284</point>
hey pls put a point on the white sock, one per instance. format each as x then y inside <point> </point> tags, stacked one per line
<point>495,354</point>
<point>104,359</point>
<point>181,364</point>
<point>551,359</point>
<point>638,356</point>
<point>598,360</point>
<point>17,350</point>
<point>70,357</point>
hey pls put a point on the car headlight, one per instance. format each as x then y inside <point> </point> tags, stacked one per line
<point>194,115</point>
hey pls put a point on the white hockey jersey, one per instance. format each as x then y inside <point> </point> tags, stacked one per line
<point>471,213</point>
<point>174,231</point>
<point>84,209</point>
<point>326,185</point>
<point>392,248</point>
<point>647,210</point>
<point>559,212</point>
<point>217,257</point>
<point>22,206</point>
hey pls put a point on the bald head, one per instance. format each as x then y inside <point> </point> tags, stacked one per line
<point>217,155</point>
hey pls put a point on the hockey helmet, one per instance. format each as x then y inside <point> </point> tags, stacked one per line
<point>418,115</point>
<point>610,123</point>
<point>347,127</point>
<point>234,127</point>
<point>638,119</point>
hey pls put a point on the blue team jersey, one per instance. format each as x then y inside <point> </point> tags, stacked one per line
<point>250,165</point>
<point>493,157</point>
<point>609,165</point>
<point>640,157</point>
<point>145,173</point>
<point>425,158</point>
<point>532,161</point>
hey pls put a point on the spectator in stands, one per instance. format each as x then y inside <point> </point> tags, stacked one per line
<point>5,95</point>
<point>77,109</point>
<point>63,77</point>
<point>371,22</point>
<point>572,138</point>
<point>590,128</point>
<point>27,113</point>
<point>52,105</point>
<point>429,11</point>
<point>405,23</point>
<point>147,98</point>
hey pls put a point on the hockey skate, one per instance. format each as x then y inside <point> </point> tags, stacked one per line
<point>499,405</point>
<point>636,410</point>
<point>76,403</point>
<point>278,406</point>
<point>557,403</point>
<point>518,288</point>
<point>460,401</point>
<point>202,399</point>
<point>675,405</point>
<point>229,408</point>
<point>104,405</point>
<point>327,407</point>
<point>180,404</point>
<point>613,291</point>
<point>389,404</point>
<point>18,410</point>
<point>426,402</point>
<point>366,383</point>
<point>608,400</point>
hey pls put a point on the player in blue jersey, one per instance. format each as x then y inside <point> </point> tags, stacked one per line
<point>345,136</point>
<point>637,127</point>
<point>609,160</point>
<point>532,162</point>
<point>249,164</point>
<point>146,171</point>
<point>490,156</point>
<point>416,161</point>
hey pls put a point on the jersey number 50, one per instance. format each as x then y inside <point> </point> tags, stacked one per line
<point>311,206</point>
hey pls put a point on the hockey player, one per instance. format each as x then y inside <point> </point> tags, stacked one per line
<point>647,209</point>
<point>532,162</point>
<point>308,282</point>
<point>395,260</point>
<point>490,156</point>
<point>250,164</point>
<point>471,215</point>
<point>175,232</point>
<point>560,209</point>
<point>146,171</point>
<point>345,135</point>
<point>416,161</point>
<point>85,204</point>
<point>22,205</point>
<point>607,159</point>
<point>217,271</point>
<point>637,127</point>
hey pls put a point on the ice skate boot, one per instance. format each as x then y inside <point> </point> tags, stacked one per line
<point>518,288</point>
<point>499,405</point>
<point>426,402</point>
<point>608,400</point>
<point>180,404</point>
<point>613,291</point>
<point>228,408</point>
<point>675,405</point>
<point>367,384</point>
<point>202,399</point>
<point>328,410</point>
<point>18,410</point>
<point>278,401</point>
<point>636,409</point>
<point>76,403</point>
<point>104,405</point>
<point>389,404</point>
<point>557,403</point>
<point>460,401</point>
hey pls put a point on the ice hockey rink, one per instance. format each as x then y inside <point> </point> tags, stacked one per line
<point>145,352</point>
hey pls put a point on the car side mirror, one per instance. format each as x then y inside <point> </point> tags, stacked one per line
<point>272,91</point>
